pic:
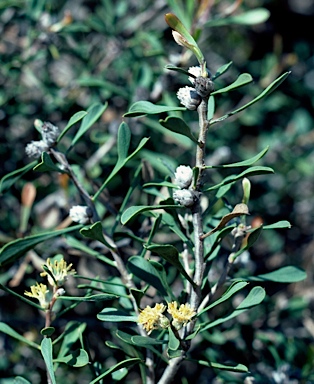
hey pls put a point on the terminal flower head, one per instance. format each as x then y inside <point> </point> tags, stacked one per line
<point>189,97</point>
<point>153,318</point>
<point>59,272</point>
<point>49,133</point>
<point>80,214</point>
<point>36,148</point>
<point>182,315</point>
<point>185,197</point>
<point>39,292</point>
<point>183,176</point>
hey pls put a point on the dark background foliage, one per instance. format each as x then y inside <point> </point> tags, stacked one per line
<point>116,51</point>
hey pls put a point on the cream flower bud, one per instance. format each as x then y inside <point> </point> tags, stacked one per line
<point>189,98</point>
<point>80,214</point>
<point>49,133</point>
<point>36,148</point>
<point>183,176</point>
<point>196,71</point>
<point>184,197</point>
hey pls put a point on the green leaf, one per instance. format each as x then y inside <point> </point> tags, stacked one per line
<point>46,351</point>
<point>142,108</point>
<point>93,114</point>
<point>252,17</point>
<point>78,358</point>
<point>17,248</point>
<point>178,69</point>
<point>8,180</point>
<point>72,333</point>
<point>97,297</point>
<point>48,331</point>
<point>221,70</point>
<point>47,165</point>
<point>95,232</point>
<point>11,332</point>
<point>173,343</point>
<point>255,297</point>
<point>289,274</point>
<point>237,368</point>
<point>234,288</point>
<point>122,364</point>
<point>144,341</point>
<point>131,212</point>
<point>177,125</point>
<point>73,120</point>
<point>170,254</point>
<point>187,39</point>
<point>20,380</point>
<point>145,271</point>
<point>123,145</point>
<point>210,107</point>
<point>266,92</point>
<point>115,315</point>
<point>244,163</point>
<point>278,225</point>
<point>253,171</point>
<point>243,79</point>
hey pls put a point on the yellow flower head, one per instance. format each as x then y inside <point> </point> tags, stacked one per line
<point>59,270</point>
<point>153,318</point>
<point>39,292</point>
<point>182,315</point>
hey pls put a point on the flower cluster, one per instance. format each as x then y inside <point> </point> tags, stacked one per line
<point>80,214</point>
<point>183,179</point>
<point>191,97</point>
<point>57,273</point>
<point>49,134</point>
<point>153,318</point>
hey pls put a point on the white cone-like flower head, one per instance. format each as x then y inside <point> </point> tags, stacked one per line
<point>49,133</point>
<point>189,98</point>
<point>196,71</point>
<point>183,176</point>
<point>36,148</point>
<point>184,197</point>
<point>80,214</point>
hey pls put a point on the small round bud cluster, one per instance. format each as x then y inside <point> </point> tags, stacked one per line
<point>80,214</point>
<point>49,133</point>
<point>190,97</point>
<point>183,179</point>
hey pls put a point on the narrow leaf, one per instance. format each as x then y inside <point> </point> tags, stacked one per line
<point>17,248</point>
<point>8,180</point>
<point>237,368</point>
<point>255,297</point>
<point>47,165</point>
<point>144,341</point>
<point>289,274</point>
<point>243,79</point>
<point>234,288</point>
<point>78,358</point>
<point>142,108</point>
<point>97,297</point>
<point>253,171</point>
<point>177,125</point>
<point>221,70</point>
<point>131,212</point>
<point>122,364</point>
<point>93,114</point>
<point>244,163</point>
<point>266,92</point>
<point>20,380</point>
<point>11,332</point>
<point>124,139</point>
<point>170,254</point>
<point>278,225</point>
<point>252,17</point>
<point>72,333</point>
<point>73,120</point>
<point>46,351</point>
<point>115,315</point>
<point>144,270</point>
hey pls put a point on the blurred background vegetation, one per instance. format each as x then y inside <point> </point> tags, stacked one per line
<point>60,57</point>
